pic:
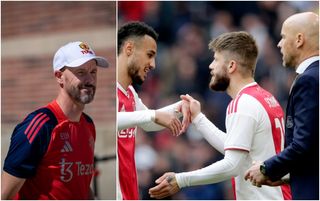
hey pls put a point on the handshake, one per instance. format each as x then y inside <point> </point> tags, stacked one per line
<point>188,107</point>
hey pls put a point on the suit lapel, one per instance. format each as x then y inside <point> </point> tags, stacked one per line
<point>294,82</point>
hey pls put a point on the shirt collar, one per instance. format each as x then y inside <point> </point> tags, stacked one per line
<point>248,85</point>
<point>56,109</point>
<point>122,89</point>
<point>304,65</point>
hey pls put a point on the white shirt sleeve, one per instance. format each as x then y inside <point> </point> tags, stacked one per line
<point>219,171</point>
<point>150,125</point>
<point>137,118</point>
<point>242,125</point>
<point>210,132</point>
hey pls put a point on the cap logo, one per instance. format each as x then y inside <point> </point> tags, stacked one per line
<point>86,48</point>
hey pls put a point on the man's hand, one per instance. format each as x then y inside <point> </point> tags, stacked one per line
<point>169,121</point>
<point>184,108</point>
<point>275,183</point>
<point>195,106</point>
<point>255,176</point>
<point>167,185</point>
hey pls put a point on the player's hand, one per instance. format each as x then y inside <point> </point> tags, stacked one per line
<point>255,176</point>
<point>169,121</point>
<point>195,106</point>
<point>167,185</point>
<point>184,108</point>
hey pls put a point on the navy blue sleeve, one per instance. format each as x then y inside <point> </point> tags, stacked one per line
<point>305,132</point>
<point>29,143</point>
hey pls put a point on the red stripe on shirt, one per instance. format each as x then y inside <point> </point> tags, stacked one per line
<point>30,133</point>
<point>233,181</point>
<point>236,103</point>
<point>286,192</point>
<point>229,107</point>
<point>31,124</point>
<point>38,128</point>
<point>275,115</point>
<point>232,104</point>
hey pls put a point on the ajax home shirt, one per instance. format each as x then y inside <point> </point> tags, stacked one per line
<point>126,144</point>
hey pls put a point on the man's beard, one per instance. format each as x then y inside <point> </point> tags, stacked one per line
<point>220,83</point>
<point>75,93</point>
<point>288,61</point>
<point>133,71</point>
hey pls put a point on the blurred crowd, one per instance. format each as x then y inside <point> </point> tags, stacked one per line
<point>185,29</point>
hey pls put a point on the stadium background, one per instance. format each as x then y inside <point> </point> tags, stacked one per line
<point>31,34</point>
<point>185,28</point>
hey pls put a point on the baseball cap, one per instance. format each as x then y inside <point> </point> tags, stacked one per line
<point>75,54</point>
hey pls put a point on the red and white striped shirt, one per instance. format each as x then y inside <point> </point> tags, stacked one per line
<point>264,137</point>
<point>127,174</point>
<point>254,123</point>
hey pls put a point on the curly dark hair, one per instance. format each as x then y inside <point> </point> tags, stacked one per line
<point>134,29</point>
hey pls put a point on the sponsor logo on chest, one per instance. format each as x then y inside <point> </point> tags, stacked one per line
<point>71,165</point>
<point>69,169</point>
<point>127,133</point>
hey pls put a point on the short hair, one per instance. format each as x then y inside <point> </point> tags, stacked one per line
<point>134,29</point>
<point>239,43</point>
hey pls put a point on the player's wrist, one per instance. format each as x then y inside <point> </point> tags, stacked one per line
<point>152,115</point>
<point>180,180</point>
<point>197,118</point>
<point>263,169</point>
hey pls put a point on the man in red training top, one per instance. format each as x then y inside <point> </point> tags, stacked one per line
<point>51,152</point>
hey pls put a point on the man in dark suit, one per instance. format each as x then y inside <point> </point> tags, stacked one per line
<point>300,158</point>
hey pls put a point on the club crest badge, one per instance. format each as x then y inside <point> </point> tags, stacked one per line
<point>289,123</point>
<point>86,48</point>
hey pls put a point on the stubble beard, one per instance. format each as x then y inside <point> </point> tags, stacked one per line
<point>75,93</point>
<point>288,61</point>
<point>133,71</point>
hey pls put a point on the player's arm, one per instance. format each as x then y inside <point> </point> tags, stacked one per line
<point>165,117</point>
<point>146,117</point>
<point>10,185</point>
<point>208,130</point>
<point>27,147</point>
<point>219,171</point>
<point>170,183</point>
<point>163,114</point>
<point>136,118</point>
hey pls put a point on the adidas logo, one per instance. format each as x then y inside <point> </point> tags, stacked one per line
<point>66,147</point>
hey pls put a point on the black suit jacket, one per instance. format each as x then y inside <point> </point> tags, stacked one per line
<point>300,157</point>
